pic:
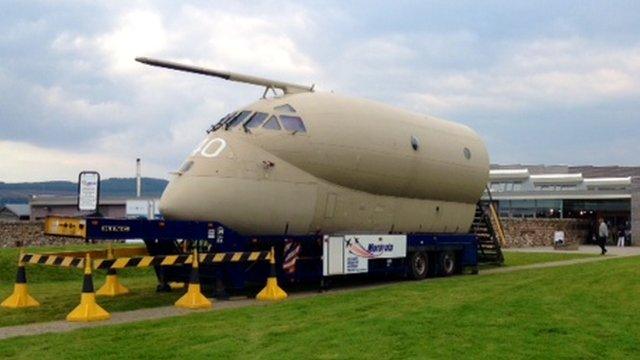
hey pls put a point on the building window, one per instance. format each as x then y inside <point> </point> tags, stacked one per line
<point>495,186</point>
<point>505,186</point>
<point>531,208</point>
<point>548,208</point>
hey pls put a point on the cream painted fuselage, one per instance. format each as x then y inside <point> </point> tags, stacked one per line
<point>355,169</point>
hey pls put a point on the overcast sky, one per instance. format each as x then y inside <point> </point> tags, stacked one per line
<point>550,82</point>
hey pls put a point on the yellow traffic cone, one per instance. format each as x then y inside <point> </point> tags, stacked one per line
<point>20,297</point>
<point>112,286</point>
<point>193,298</point>
<point>88,310</point>
<point>272,291</point>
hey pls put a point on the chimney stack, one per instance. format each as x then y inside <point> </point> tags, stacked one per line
<point>138,179</point>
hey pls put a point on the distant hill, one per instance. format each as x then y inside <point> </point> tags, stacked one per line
<point>113,187</point>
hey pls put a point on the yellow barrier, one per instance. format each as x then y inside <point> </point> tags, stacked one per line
<point>193,298</point>
<point>75,259</point>
<point>112,286</point>
<point>20,298</point>
<point>88,309</point>
<point>272,291</point>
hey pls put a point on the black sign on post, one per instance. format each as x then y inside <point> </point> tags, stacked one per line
<point>88,191</point>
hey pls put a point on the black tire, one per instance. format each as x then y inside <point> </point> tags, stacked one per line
<point>418,265</point>
<point>448,263</point>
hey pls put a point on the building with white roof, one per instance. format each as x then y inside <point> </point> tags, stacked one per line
<point>585,192</point>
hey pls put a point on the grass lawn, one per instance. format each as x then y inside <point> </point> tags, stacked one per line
<point>579,311</point>
<point>58,289</point>
<point>57,299</point>
<point>514,258</point>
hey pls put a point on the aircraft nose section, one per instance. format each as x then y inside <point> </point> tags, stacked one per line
<point>172,202</point>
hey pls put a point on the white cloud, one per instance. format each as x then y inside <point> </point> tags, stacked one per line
<point>236,40</point>
<point>567,72</point>
<point>158,114</point>
<point>26,162</point>
<point>137,32</point>
<point>443,103</point>
<point>380,51</point>
<point>70,109</point>
<point>84,89</point>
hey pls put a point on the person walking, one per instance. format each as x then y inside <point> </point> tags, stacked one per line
<point>603,234</point>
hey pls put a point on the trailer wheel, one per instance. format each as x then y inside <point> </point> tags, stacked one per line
<point>448,263</point>
<point>419,265</point>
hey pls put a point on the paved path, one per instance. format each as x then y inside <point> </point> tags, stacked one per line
<point>583,249</point>
<point>557,263</point>
<point>171,311</point>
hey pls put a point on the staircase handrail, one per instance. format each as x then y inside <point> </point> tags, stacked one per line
<point>496,216</point>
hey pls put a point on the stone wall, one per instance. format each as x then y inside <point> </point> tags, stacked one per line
<point>30,233</point>
<point>539,232</point>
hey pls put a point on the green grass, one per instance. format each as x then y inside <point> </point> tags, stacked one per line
<point>57,299</point>
<point>58,289</point>
<point>514,258</point>
<point>579,311</point>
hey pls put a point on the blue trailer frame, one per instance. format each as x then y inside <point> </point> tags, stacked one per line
<point>163,237</point>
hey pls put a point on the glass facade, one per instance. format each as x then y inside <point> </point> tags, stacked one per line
<point>530,208</point>
<point>506,186</point>
<point>564,208</point>
<point>601,193</point>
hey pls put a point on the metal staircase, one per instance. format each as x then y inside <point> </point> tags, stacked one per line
<point>488,228</point>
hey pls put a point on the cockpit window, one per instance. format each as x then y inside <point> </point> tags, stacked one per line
<point>292,123</point>
<point>256,120</point>
<point>285,108</point>
<point>221,122</point>
<point>272,124</point>
<point>237,119</point>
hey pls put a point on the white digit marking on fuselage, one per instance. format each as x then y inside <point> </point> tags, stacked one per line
<point>222,144</point>
<point>199,147</point>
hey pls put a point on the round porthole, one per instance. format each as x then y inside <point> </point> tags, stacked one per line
<point>415,144</point>
<point>467,153</point>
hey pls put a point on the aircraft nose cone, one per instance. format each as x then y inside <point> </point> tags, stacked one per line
<point>172,204</point>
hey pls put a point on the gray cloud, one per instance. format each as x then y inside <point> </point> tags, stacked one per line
<point>540,83</point>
